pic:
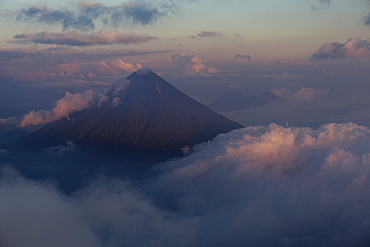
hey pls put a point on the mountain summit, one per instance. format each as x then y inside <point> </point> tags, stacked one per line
<point>143,114</point>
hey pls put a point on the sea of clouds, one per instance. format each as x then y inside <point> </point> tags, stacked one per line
<point>256,186</point>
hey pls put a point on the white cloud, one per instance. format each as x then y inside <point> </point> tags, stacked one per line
<point>66,105</point>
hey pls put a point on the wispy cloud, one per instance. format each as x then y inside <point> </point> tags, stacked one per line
<point>209,34</point>
<point>301,95</point>
<point>89,15</point>
<point>244,57</point>
<point>354,47</point>
<point>74,38</point>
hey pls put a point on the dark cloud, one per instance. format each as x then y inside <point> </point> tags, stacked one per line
<point>74,38</point>
<point>89,15</point>
<point>367,19</point>
<point>209,34</point>
<point>244,57</point>
<point>257,186</point>
<point>354,47</point>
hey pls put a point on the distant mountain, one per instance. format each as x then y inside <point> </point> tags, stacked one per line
<point>149,117</point>
<point>233,101</point>
<point>12,135</point>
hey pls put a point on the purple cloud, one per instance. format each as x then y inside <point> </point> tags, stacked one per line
<point>209,34</point>
<point>89,15</point>
<point>74,38</point>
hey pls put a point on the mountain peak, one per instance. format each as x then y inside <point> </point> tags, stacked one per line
<point>153,118</point>
<point>140,73</point>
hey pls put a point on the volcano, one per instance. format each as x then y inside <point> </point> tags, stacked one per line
<point>144,115</point>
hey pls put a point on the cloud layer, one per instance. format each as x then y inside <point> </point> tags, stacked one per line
<point>89,15</point>
<point>257,186</point>
<point>354,47</point>
<point>74,38</point>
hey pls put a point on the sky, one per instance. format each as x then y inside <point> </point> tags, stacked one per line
<point>298,174</point>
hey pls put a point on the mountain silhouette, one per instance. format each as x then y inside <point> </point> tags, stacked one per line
<point>144,115</point>
<point>233,101</point>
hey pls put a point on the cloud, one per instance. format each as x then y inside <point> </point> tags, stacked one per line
<point>66,105</point>
<point>209,34</point>
<point>282,76</point>
<point>257,186</point>
<point>88,15</point>
<point>192,64</point>
<point>74,38</point>
<point>60,149</point>
<point>244,57</point>
<point>367,19</point>
<point>354,47</point>
<point>294,61</point>
<point>107,213</point>
<point>276,186</point>
<point>303,94</point>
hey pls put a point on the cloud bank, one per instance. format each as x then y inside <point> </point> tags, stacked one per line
<point>257,186</point>
<point>74,38</point>
<point>354,47</point>
<point>89,15</point>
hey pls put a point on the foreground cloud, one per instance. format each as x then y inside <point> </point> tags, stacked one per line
<point>66,105</point>
<point>354,47</point>
<point>74,38</point>
<point>90,14</point>
<point>257,186</point>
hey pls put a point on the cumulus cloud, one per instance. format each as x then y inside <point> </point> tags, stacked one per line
<point>192,64</point>
<point>209,34</point>
<point>302,95</point>
<point>354,47</point>
<point>257,186</point>
<point>89,15</point>
<point>74,38</point>
<point>66,105</point>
